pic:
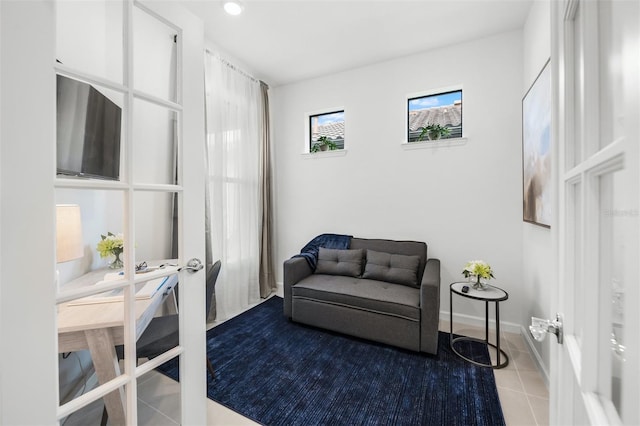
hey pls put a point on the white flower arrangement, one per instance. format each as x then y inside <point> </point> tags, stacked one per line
<point>110,245</point>
<point>478,268</point>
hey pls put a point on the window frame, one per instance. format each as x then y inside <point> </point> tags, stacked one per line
<point>429,93</point>
<point>308,129</point>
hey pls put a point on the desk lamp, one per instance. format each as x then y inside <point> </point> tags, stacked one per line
<point>69,244</point>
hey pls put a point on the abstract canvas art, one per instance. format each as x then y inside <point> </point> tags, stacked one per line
<point>536,150</point>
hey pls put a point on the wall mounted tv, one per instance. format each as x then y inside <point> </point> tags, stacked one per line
<point>88,131</point>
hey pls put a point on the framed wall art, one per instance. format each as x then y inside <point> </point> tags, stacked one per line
<point>536,150</point>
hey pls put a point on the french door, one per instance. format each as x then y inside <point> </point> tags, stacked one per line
<point>146,59</point>
<point>595,373</point>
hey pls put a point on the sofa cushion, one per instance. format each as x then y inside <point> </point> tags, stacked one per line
<point>407,248</point>
<point>369,295</point>
<point>339,262</point>
<point>393,268</point>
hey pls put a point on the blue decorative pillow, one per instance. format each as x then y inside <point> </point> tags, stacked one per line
<point>339,262</point>
<point>393,268</point>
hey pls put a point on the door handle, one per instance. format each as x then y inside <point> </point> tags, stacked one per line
<point>193,265</point>
<point>540,327</point>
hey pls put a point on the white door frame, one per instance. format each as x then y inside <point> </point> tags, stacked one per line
<point>27,329</point>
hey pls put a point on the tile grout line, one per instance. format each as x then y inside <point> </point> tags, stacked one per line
<point>511,349</point>
<point>533,414</point>
<point>526,394</point>
<point>158,411</point>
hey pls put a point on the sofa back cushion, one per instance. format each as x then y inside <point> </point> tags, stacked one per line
<point>392,268</point>
<point>407,248</point>
<point>340,262</point>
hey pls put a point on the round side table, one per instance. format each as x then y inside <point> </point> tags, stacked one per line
<point>489,294</point>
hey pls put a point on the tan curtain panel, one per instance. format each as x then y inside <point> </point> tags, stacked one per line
<point>267,277</point>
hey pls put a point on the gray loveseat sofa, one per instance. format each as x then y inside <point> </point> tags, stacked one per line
<point>382,290</point>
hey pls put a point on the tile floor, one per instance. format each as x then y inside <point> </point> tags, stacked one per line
<point>523,393</point>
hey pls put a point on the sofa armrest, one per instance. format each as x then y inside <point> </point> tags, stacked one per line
<point>430,307</point>
<point>295,269</point>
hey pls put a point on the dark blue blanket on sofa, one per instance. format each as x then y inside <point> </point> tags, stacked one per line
<point>330,241</point>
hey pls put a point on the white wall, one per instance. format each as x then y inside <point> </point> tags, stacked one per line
<point>537,253</point>
<point>464,201</point>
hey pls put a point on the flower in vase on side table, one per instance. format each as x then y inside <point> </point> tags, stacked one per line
<point>111,245</point>
<point>479,272</point>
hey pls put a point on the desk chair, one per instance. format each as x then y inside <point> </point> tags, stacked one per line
<point>162,332</point>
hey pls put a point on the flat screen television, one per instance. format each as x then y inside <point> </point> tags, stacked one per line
<point>88,131</point>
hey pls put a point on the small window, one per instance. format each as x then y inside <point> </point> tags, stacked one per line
<point>326,131</point>
<point>435,116</point>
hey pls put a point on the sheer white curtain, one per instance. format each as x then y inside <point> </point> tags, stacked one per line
<point>233,183</point>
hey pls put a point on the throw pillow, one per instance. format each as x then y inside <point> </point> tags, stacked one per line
<point>339,262</point>
<point>393,268</point>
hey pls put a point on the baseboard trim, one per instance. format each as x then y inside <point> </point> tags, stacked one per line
<point>509,327</point>
<point>536,355</point>
<point>280,289</point>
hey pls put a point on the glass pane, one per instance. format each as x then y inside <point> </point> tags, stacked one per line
<point>154,143</point>
<point>83,217</point>
<point>89,37</point>
<point>90,415</point>
<point>155,222</point>
<point>575,203</point>
<point>157,307</point>
<point>611,43</point>
<point>154,56</point>
<point>90,333</point>
<point>89,129</point>
<point>159,397</point>
<point>617,231</point>
<point>159,327</point>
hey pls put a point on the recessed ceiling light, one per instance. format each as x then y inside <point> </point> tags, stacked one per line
<point>233,7</point>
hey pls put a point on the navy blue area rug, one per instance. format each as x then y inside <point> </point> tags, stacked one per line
<point>277,372</point>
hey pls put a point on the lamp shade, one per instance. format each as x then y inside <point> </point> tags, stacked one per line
<point>68,233</point>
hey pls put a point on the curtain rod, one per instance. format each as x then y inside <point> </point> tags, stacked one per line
<point>233,67</point>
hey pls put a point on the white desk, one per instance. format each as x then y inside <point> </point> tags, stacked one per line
<point>99,327</point>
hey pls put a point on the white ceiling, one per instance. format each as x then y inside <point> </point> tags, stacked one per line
<point>291,40</point>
